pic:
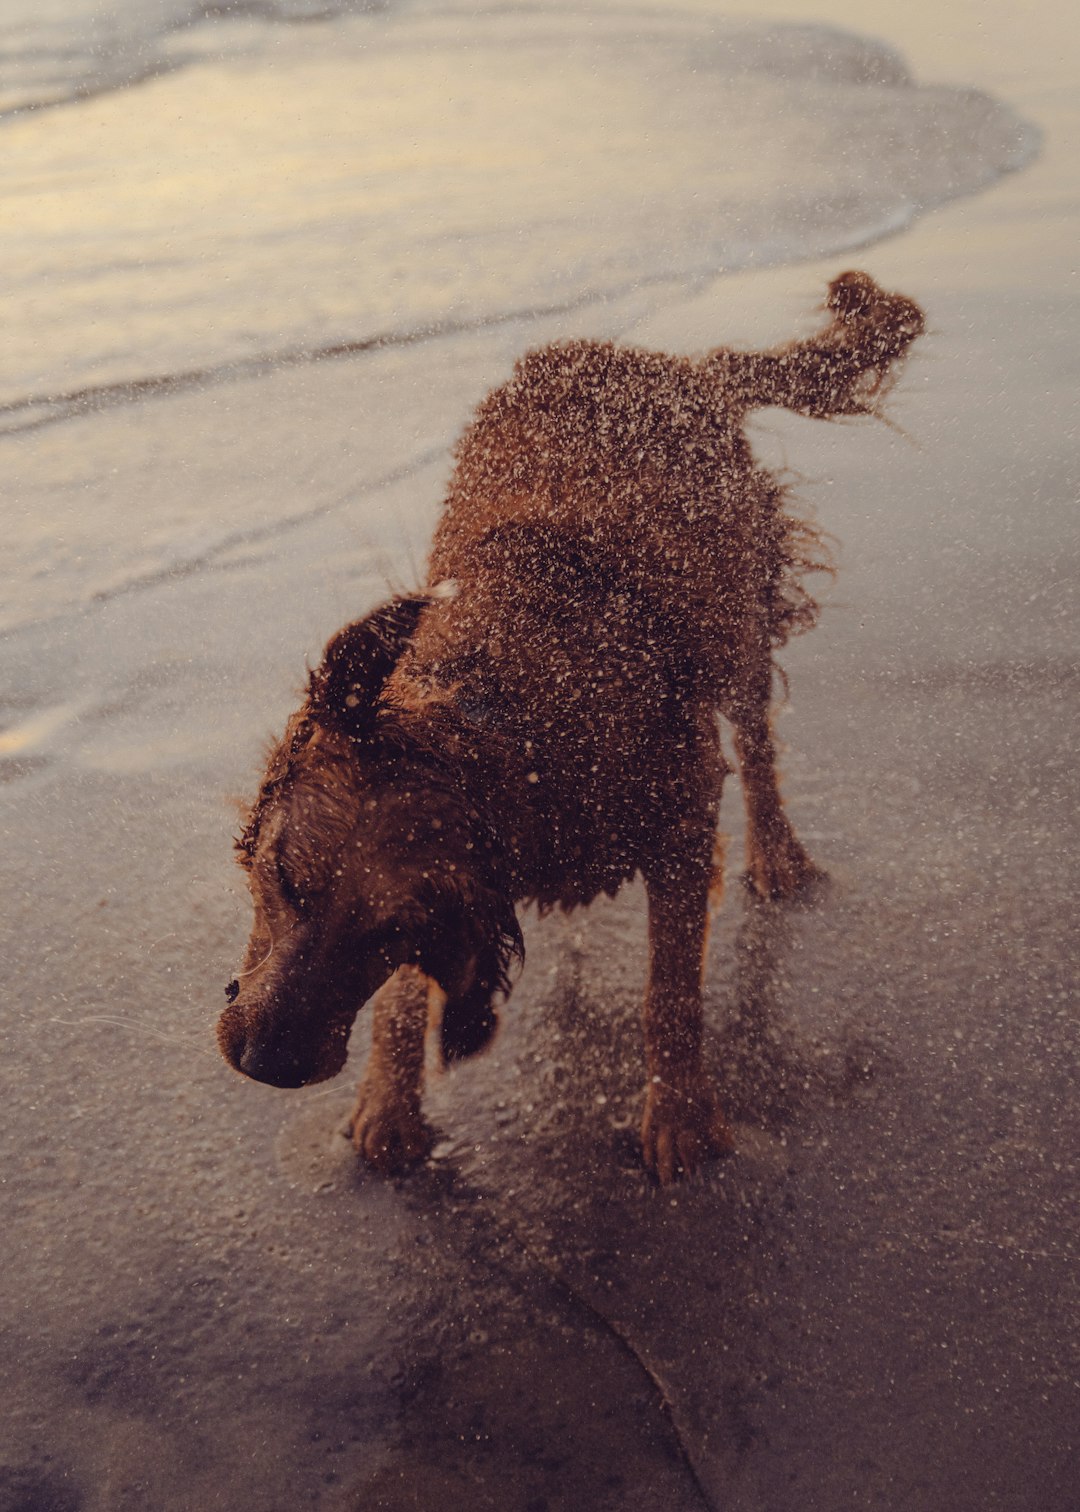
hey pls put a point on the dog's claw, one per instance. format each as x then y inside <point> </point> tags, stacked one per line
<point>680,1130</point>
<point>388,1134</point>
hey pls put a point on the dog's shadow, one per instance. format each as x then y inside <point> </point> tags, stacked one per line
<point>547,1189</point>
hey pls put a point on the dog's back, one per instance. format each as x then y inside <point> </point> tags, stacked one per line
<point>641,456</point>
<point>623,568</point>
<point>624,463</point>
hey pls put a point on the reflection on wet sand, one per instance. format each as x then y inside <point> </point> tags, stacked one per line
<point>767,1076</point>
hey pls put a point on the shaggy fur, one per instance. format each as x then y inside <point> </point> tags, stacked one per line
<point>611,569</point>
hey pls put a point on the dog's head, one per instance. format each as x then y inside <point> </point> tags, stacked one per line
<point>363,854</point>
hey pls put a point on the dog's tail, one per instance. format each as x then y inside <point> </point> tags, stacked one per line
<point>846,369</point>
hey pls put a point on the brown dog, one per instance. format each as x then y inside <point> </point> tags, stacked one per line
<point>611,570</point>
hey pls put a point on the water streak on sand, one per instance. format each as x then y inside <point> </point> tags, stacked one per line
<point>32,412</point>
<point>178,567</point>
<point>36,730</point>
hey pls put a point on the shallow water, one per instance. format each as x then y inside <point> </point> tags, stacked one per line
<point>366,177</point>
<point>292,192</point>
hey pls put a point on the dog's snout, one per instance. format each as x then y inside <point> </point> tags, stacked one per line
<point>270,1065</point>
<point>264,1056</point>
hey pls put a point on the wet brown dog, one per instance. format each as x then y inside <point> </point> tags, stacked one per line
<point>611,570</point>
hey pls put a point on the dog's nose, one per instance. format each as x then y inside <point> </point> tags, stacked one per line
<point>268,1064</point>
<point>262,1056</point>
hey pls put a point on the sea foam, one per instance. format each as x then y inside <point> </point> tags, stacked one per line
<point>294,187</point>
<point>353,188</point>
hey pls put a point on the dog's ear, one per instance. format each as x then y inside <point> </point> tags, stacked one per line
<point>345,688</point>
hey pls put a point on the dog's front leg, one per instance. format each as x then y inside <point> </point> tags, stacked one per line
<point>682,1123</point>
<point>387,1129</point>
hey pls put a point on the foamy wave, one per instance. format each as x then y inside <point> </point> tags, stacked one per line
<point>78,49</point>
<point>384,180</point>
<point>408,171</point>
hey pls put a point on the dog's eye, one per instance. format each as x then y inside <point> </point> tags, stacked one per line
<point>296,892</point>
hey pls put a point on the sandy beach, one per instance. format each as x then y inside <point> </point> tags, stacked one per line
<point>874,1302</point>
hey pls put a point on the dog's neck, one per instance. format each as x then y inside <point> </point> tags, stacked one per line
<point>468,749</point>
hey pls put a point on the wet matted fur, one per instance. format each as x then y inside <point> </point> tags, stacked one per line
<point>612,570</point>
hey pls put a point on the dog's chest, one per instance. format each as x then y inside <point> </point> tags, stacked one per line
<point>590,803</point>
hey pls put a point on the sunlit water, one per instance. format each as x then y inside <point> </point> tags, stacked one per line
<point>183,195</point>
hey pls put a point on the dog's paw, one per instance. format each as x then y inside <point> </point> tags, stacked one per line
<point>388,1134</point>
<point>680,1130</point>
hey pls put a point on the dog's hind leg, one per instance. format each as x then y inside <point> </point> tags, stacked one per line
<point>777,866</point>
<point>682,1123</point>
<point>387,1129</point>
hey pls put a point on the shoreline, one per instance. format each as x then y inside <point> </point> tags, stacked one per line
<point>361,195</point>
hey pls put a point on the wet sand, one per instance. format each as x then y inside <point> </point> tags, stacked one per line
<point>874,1303</point>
